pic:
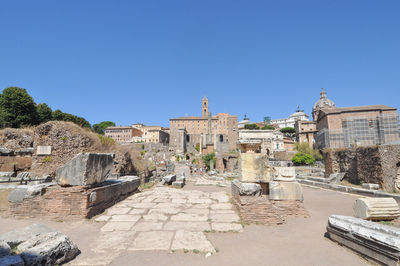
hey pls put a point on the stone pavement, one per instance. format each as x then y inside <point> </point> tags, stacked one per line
<point>166,219</point>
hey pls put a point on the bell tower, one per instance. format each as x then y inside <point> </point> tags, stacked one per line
<point>204,107</point>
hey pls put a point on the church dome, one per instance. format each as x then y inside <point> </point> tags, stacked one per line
<point>323,102</point>
<point>298,113</point>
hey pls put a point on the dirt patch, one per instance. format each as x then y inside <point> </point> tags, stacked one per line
<point>4,205</point>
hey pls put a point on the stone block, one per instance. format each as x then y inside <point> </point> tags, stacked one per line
<point>376,209</point>
<point>371,186</point>
<point>254,167</point>
<point>378,242</point>
<point>5,249</point>
<point>43,150</point>
<point>284,174</point>
<point>245,189</point>
<point>48,249</point>
<point>85,169</point>
<point>25,152</point>
<point>169,179</point>
<point>191,241</point>
<point>336,177</point>
<point>6,152</point>
<point>280,190</point>
<point>27,191</point>
<point>178,184</point>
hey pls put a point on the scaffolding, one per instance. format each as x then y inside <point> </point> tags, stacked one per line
<point>361,131</point>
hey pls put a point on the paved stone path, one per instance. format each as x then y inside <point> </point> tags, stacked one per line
<point>166,219</point>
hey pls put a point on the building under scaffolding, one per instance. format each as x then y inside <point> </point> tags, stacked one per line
<point>361,131</point>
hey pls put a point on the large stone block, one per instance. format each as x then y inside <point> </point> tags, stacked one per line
<point>48,249</point>
<point>16,237</point>
<point>245,189</point>
<point>376,241</point>
<point>254,168</point>
<point>376,208</point>
<point>43,150</point>
<point>281,190</point>
<point>85,169</point>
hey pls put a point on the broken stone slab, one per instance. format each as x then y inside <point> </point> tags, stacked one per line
<point>7,174</point>
<point>43,150</point>
<point>6,152</point>
<point>376,241</point>
<point>48,249</point>
<point>169,179</point>
<point>25,152</point>
<point>23,176</point>
<point>27,191</point>
<point>377,209</point>
<point>178,184</point>
<point>280,190</point>
<point>161,183</point>
<point>336,177</point>
<point>16,237</point>
<point>371,186</point>
<point>11,260</point>
<point>85,169</point>
<point>245,189</point>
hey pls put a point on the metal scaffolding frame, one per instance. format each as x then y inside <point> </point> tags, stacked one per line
<point>361,131</point>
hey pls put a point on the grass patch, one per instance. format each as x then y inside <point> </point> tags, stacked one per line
<point>196,251</point>
<point>47,159</point>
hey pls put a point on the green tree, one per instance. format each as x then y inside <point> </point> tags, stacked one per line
<point>288,130</point>
<point>17,108</point>
<point>58,115</point>
<point>45,113</point>
<point>269,127</point>
<point>80,121</point>
<point>305,148</point>
<point>303,159</point>
<point>207,158</point>
<point>251,126</point>
<point>100,127</point>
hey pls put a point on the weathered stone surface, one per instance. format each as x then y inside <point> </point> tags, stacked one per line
<point>191,241</point>
<point>16,237</point>
<point>169,179</point>
<point>371,186</point>
<point>125,218</point>
<point>178,184</point>
<point>48,249</point>
<point>188,226</point>
<point>376,208</point>
<point>6,152</point>
<point>280,190</point>
<point>85,169</point>
<point>227,227</point>
<point>11,260</point>
<point>284,173</point>
<point>117,226</point>
<point>43,150</point>
<point>379,242</point>
<point>4,249</point>
<point>245,189</point>
<point>27,191</point>
<point>254,167</point>
<point>156,240</point>
<point>147,226</point>
<point>189,217</point>
<point>224,217</point>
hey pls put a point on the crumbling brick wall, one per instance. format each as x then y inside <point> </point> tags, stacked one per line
<point>372,164</point>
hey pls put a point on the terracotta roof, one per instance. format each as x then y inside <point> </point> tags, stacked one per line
<point>190,118</point>
<point>357,109</point>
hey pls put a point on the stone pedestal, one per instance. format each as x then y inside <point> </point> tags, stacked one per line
<point>376,209</point>
<point>285,190</point>
<point>254,168</point>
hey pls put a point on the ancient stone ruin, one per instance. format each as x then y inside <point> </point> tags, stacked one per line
<point>82,190</point>
<point>36,244</point>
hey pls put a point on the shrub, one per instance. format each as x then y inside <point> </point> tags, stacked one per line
<point>305,148</point>
<point>143,152</point>
<point>289,130</point>
<point>269,127</point>
<point>303,159</point>
<point>47,159</point>
<point>106,141</point>
<point>197,147</point>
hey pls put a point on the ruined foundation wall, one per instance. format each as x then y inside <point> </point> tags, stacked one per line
<point>373,164</point>
<point>75,201</point>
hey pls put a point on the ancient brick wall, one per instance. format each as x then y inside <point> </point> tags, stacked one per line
<point>75,201</point>
<point>373,164</point>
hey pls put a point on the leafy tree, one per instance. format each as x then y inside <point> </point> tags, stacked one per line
<point>45,113</point>
<point>288,130</point>
<point>17,108</point>
<point>305,148</point>
<point>268,127</point>
<point>197,147</point>
<point>80,121</point>
<point>207,158</point>
<point>303,159</point>
<point>251,126</point>
<point>58,115</point>
<point>100,127</point>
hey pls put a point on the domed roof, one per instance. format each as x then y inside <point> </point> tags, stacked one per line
<point>298,113</point>
<point>245,121</point>
<point>323,101</point>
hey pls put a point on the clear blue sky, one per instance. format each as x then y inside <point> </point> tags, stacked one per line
<point>148,61</point>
